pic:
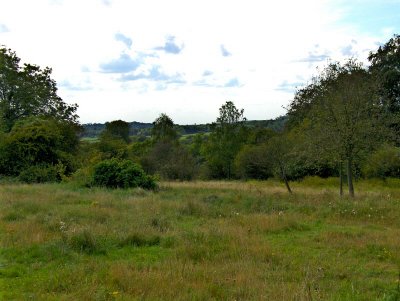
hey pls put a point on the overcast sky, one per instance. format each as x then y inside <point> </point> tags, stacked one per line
<point>132,60</point>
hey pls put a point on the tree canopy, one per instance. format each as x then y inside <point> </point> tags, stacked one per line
<point>29,90</point>
<point>341,113</point>
<point>163,128</point>
<point>227,136</point>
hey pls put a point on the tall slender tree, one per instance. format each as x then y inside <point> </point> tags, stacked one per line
<point>226,138</point>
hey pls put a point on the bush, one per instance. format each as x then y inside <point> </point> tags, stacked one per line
<point>383,163</point>
<point>115,173</point>
<point>170,160</point>
<point>41,174</point>
<point>252,163</point>
<point>34,148</point>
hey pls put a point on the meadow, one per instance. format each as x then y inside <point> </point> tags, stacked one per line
<point>200,241</point>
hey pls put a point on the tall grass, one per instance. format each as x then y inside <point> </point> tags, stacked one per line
<point>200,241</point>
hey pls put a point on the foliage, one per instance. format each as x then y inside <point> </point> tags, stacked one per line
<point>29,91</point>
<point>340,114</point>
<point>385,69</point>
<point>227,137</point>
<point>42,173</point>
<point>115,173</point>
<point>279,151</point>
<point>163,129</point>
<point>117,129</point>
<point>170,160</point>
<point>38,145</point>
<point>383,163</point>
<point>385,64</point>
<point>112,147</point>
<point>252,163</point>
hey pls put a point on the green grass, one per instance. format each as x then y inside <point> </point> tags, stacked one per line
<point>200,241</point>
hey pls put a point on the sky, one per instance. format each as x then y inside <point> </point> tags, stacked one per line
<point>133,60</point>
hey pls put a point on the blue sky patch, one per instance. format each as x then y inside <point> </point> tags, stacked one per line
<point>371,17</point>
<point>170,46</point>
<point>4,28</point>
<point>232,83</point>
<point>124,39</point>
<point>123,64</point>
<point>224,51</point>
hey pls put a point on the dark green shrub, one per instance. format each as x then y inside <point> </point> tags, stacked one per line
<point>37,145</point>
<point>40,173</point>
<point>252,163</point>
<point>115,173</point>
<point>383,163</point>
<point>170,160</point>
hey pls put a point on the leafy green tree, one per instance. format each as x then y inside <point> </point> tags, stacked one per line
<point>170,160</point>
<point>385,69</point>
<point>278,151</point>
<point>117,129</point>
<point>167,157</point>
<point>38,142</point>
<point>251,162</point>
<point>342,117</point>
<point>28,91</point>
<point>383,163</point>
<point>113,140</point>
<point>227,136</point>
<point>385,64</point>
<point>163,129</point>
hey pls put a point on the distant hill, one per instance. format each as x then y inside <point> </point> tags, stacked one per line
<point>92,130</point>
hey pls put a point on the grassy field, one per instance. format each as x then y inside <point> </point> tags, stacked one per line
<point>200,241</point>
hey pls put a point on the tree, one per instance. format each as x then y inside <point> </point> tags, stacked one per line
<point>343,117</point>
<point>227,136</point>
<point>383,163</point>
<point>385,68</point>
<point>278,151</point>
<point>170,160</point>
<point>163,128</point>
<point>28,91</point>
<point>37,144</point>
<point>251,162</point>
<point>166,156</point>
<point>117,129</point>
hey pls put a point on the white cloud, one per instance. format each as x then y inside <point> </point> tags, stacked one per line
<point>274,47</point>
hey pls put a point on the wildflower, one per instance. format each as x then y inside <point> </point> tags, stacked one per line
<point>63,226</point>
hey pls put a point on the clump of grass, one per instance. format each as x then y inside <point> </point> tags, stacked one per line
<point>193,208</point>
<point>13,216</point>
<point>160,224</point>
<point>84,242</point>
<point>140,240</point>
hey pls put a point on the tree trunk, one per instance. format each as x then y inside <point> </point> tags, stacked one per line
<point>283,175</point>
<point>350,176</point>
<point>341,178</point>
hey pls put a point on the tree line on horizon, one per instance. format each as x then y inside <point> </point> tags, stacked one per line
<point>141,130</point>
<point>344,123</point>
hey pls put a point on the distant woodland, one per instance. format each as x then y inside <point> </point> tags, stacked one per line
<point>141,129</point>
<point>343,123</point>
